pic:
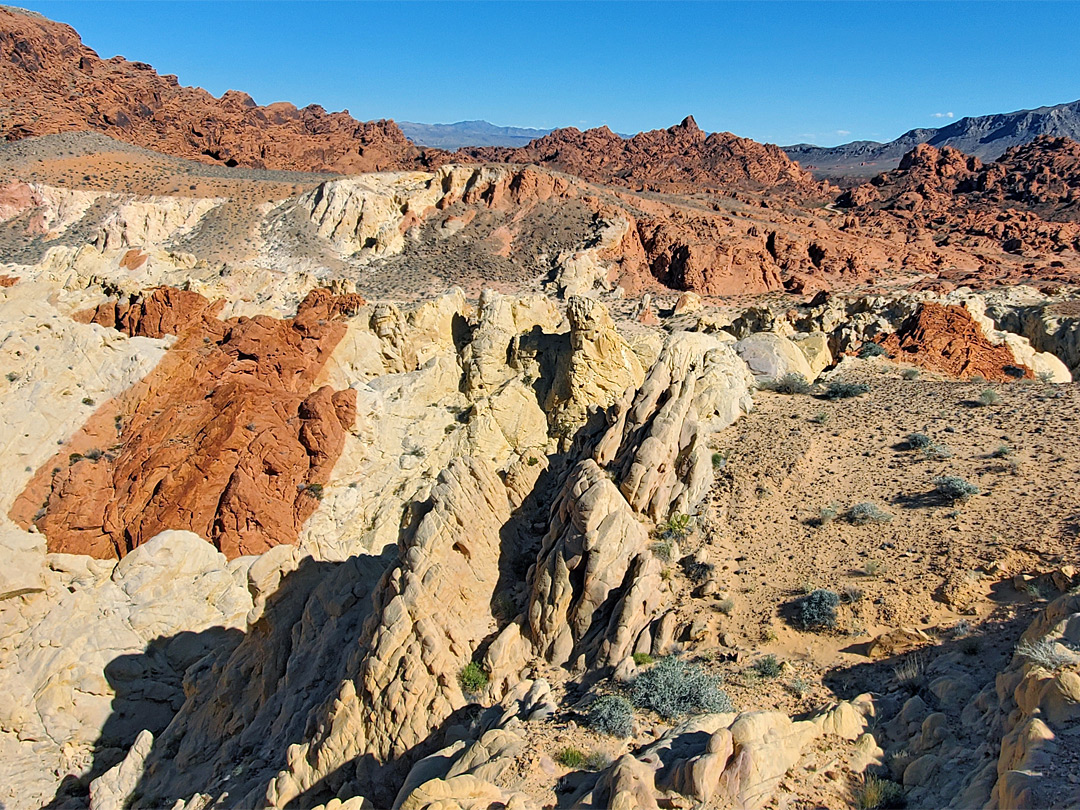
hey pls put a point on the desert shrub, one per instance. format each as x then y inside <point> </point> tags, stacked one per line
<point>917,441</point>
<point>473,678</point>
<point>821,417</point>
<point>989,397</point>
<point>867,512</point>
<point>315,491</point>
<point>673,688</point>
<point>1046,376</point>
<point>726,606</point>
<point>87,401</point>
<point>1002,451</point>
<point>828,514</point>
<point>936,452</point>
<point>910,374</point>
<point>871,349</point>
<point>93,454</point>
<point>571,757</point>
<point>817,609</point>
<point>844,390</point>
<point>664,550</point>
<point>643,659</point>
<point>699,572</point>
<point>676,527</point>
<point>597,761</point>
<point>799,687</point>
<point>767,667</point>
<point>612,715</point>
<point>954,488</point>
<point>791,383</point>
<point>1044,653</point>
<point>875,793</point>
<point>873,567</point>
<point>908,674</point>
<point>719,461</point>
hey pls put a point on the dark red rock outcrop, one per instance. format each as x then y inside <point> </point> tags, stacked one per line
<point>680,158</point>
<point>53,83</point>
<point>946,339</point>
<point>1027,202</point>
<point>225,438</point>
<point>165,311</point>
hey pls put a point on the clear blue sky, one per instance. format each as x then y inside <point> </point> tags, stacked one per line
<point>778,72</point>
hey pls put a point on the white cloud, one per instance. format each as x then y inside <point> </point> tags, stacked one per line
<point>843,132</point>
<point>942,115</point>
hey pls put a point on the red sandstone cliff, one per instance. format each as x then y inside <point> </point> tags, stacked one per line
<point>53,83</point>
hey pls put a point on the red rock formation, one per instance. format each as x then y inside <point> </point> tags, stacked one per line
<point>53,83</point>
<point>1027,202</point>
<point>946,339</point>
<point>680,158</point>
<point>166,311</point>
<point>224,438</point>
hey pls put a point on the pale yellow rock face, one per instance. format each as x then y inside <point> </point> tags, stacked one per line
<point>770,356</point>
<point>696,387</point>
<point>815,348</point>
<point>600,367</point>
<point>53,365</point>
<point>61,663</point>
<point>593,542</point>
<point>432,611</point>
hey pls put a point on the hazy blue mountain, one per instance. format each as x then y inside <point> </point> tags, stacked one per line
<point>985,136</point>
<point>468,133</point>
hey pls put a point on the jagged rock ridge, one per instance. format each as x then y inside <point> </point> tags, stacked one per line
<point>54,83</point>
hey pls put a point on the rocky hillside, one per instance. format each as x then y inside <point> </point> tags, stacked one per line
<point>984,136</point>
<point>1027,203</point>
<point>405,555</point>
<point>53,83</point>
<point>679,158</point>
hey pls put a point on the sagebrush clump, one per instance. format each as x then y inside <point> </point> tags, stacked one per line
<point>867,512</point>
<point>768,667</point>
<point>871,349</point>
<point>844,390</point>
<point>955,489</point>
<point>612,715</point>
<point>1044,653</point>
<point>673,688</point>
<point>917,441</point>
<point>817,610</point>
<point>791,383</point>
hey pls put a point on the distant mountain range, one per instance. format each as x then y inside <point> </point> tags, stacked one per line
<point>468,133</point>
<point>985,136</point>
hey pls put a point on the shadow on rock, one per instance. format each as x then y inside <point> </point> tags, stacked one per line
<point>149,690</point>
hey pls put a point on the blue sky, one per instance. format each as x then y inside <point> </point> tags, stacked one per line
<point>772,71</point>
